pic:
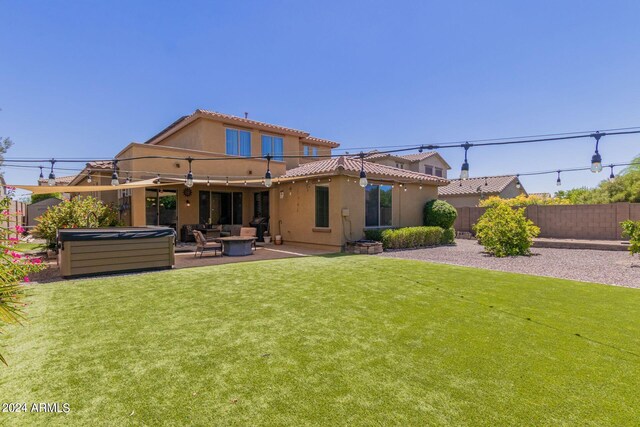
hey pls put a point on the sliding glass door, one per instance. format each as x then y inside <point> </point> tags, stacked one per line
<point>220,207</point>
<point>161,207</point>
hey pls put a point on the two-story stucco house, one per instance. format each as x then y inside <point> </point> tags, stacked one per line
<point>428,162</point>
<point>315,198</point>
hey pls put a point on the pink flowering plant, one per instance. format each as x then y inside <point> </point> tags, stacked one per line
<point>14,268</point>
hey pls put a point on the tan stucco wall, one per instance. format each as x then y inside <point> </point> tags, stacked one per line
<point>509,192</point>
<point>297,211</point>
<point>210,136</point>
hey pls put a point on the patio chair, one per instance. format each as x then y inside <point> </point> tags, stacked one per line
<point>203,245</point>
<point>249,232</point>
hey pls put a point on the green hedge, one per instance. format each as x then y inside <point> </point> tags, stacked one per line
<point>412,237</point>
<point>439,213</point>
<point>448,236</point>
<point>374,234</point>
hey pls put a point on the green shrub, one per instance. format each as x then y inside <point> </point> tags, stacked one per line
<point>79,212</point>
<point>631,230</point>
<point>374,234</point>
<point>504,231</point>
<point>411,237</point>
<point>448,236</point>
<point>438,213</point>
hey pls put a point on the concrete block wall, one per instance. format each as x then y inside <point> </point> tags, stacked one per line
<point>591,222</point>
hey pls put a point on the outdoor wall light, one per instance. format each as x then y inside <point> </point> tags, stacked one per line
<point>596,159</point>
<point>363,175</point>
<point>52,176</point>
<point>267,176</point>
<point>464,170</point>
<point>189,181</point>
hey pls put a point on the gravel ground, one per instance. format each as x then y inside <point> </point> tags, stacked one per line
<point>608,267</point>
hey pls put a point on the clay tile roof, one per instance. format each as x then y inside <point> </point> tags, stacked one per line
<point>336,165</point>
<point>101,164</point>
<point>315,140</point>
<point>494,184</point>
<point>416,157</point>
<point>241,121</point>
<point>60,180</point>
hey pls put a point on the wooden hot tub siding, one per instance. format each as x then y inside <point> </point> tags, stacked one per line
<point>91,257</point>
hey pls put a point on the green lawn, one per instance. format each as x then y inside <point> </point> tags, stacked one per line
<point>327,340</point>
<point>27,247</point>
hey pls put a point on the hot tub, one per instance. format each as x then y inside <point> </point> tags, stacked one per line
<point>92,251</point>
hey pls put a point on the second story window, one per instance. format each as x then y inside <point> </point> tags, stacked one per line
<point>305,150</point>
<point>238,142</point>
<point>273,145</point>
<point>428,169</point>
<point>314,151</point>
<point>439,172</point>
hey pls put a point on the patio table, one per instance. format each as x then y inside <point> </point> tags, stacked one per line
<point>236,245</point>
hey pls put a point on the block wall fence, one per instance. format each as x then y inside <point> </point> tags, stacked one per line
<point>593,222</point>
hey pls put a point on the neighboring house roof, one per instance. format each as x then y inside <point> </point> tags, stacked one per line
<point>336,165</point>
<point>467,187</point>
<point>241,121</point>
<point>543,195</point>
<point>98,165</point>
<point>60,180</point>
<point>414,157</point>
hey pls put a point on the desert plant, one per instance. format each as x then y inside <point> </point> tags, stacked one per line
<point>75,213</point>
<point>14,269</point>
<point>631,229</point>
<point>504,231</point>
<point>411,237</point>
<point>438,213</point>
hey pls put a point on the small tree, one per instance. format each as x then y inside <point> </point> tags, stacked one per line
<point>438,213</point>
<point>14,269</point>
<point>75,213</point>
<point>631,229</point>
<point>504,231</point>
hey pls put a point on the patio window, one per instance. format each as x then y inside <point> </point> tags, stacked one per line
<point>238,142</point>
<point>220,207</point>
<point>378,204</point>
<point>322,206</point>
<point>273,145</point>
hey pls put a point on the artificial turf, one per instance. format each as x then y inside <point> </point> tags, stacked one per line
<point>341,340</point>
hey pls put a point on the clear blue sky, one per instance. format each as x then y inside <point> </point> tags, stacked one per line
<point>84,78</point>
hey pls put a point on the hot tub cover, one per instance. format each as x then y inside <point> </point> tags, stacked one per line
<point>84,234</point>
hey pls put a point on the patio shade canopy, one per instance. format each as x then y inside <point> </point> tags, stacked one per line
<point>45,189</point>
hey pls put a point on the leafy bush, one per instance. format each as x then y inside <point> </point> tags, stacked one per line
<point>374,234</point>
<point>448,236</point>
<point>438,213</point>
<point>411,237</point>
<point>631,230</point>
<point>522,200</point>
<point>79,212</point>
<point>504,231</point>
<point>14,268</point>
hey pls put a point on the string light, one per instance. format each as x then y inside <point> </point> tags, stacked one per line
<point>363,175</point>
<point>558,181</point>
<point>89,177</point>
<point>464,170</point>
<point>612,177</point>
<point>596,159</point>
<point>41,174</point>
<point>128,180</point>
<point>518,185</point>
<point>114,175</point>
<point>267,176</point>
<point>52,176</point>
<point>189,181</point>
